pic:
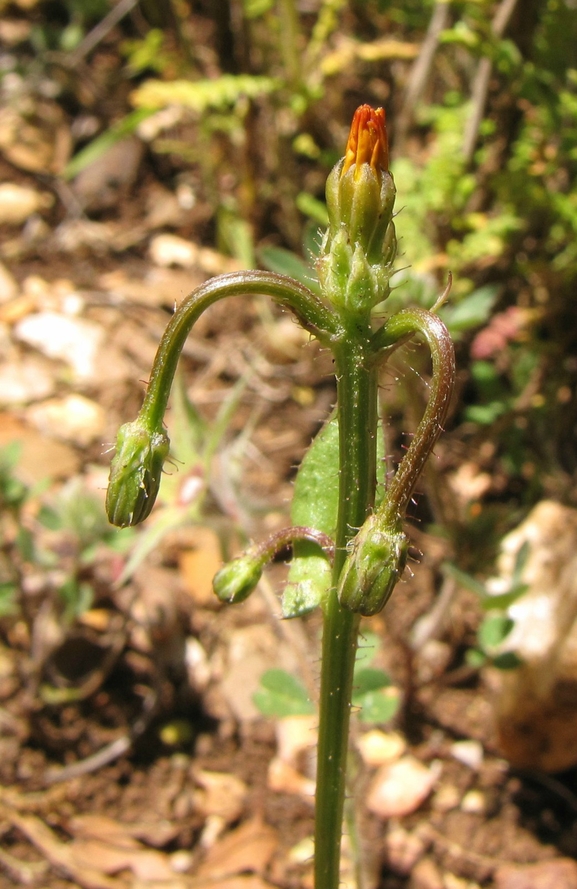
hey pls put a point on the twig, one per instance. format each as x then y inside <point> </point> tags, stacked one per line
<point>420,72</point>
<point>481,82</point>
<point>100,30</point>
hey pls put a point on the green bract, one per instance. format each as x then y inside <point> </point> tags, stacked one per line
<point>377,558</point>
<point>359,247</point>
<point>135,473</point>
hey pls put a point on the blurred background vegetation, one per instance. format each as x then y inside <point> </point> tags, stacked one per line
<point>242,107</point>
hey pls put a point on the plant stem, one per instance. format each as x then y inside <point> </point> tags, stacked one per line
<point>357,410</point>
<point>314,315</point>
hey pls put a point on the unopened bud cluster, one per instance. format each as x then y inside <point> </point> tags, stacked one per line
<point>359,247</point>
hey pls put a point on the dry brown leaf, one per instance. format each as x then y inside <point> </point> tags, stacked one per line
<point>61,854</point>
<point>111,858</point>
<point>199,565</point>
<point>249,848</point>
<point>155,833</point>
<point>220,794</point>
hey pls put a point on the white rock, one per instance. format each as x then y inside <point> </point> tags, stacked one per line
<point>377,748</point>
<point>73,340</point>
<point>8,285</point>
<point>404,849</point>
<point>74,418</point>
<point>25,381</point>
<point>168,250</point>
<point>473,802</point>
<point>401,787</point>
<point>470,753</point>
<point>17,203</point>
<point>295,734</point>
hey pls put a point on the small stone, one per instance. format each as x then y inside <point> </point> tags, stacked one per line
<point>473,803</point>
<point>426,875</point>
<point>400,787</point>
<point>470,753</point>
<point>74,418</point>
<point>556,873</point>
<point>181,862</point>
<point>17,203</point>
<point>284,778</point>
<point>295,734</point>
<point>72,340</point>
<point>377,748</point>
<point>403,850</point>
<point>24,381</point>
<point>8,285</point>
<point>446,798</point>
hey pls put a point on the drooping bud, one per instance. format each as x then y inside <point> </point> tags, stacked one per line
<point>359,248</point>
<point>135,473</point>
<point>237,579</point>
<point>376,561</point>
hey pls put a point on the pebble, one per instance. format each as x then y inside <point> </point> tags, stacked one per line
<point>470,753</point>
<point>18,202</point>
<point>73,418</point>
<point>556,873</point>
<point>404,849</point>
<point>401,787</point>
<point>8,285</point>
<point>73,340</point>
<point>474,802</point>
<point>377,748</point>
<point>24,381</point>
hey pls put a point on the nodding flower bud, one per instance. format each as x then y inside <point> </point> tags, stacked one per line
<point>359,248</point>
<point>135,473</point>
<point>376,561</point>
<point>237,579</point>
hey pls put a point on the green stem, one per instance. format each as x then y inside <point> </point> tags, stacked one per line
<point>315,315</point>
<point>396,331</point>
<point>357,410</point>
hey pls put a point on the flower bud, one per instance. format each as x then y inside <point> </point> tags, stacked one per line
<point>360,200</point>
<point>135,473</point>
<point>237,579</point>
<point>376,561</point>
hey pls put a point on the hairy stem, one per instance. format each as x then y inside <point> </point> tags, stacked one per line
<point>315,315</point>
<point>357,408</point>
<point>397,330</point>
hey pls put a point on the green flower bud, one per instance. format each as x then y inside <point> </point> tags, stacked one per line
<point>376,561</point>
<point>237,579</point>
<point>135,473</point>
<point>359,248</point>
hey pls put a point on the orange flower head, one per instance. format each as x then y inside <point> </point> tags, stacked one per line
<point>367,143</point>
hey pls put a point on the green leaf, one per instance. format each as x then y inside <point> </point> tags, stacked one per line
<point>315,505</point>
<point>316,491</point>
<point>475,658</point>
<point>282,695</point>
<point>472,311</point>
<point>8,599</point>
<point>370,679</point>
<point>465,580</point>
<point>503,600</point>
<point>106,140</point>
<point>378,706</point>
<point>493,630</point>
<point>507,660</point>
<point>284,262</point>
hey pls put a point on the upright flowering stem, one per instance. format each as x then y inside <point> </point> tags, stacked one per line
<point>357,407</point>
<point>370,548</point>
